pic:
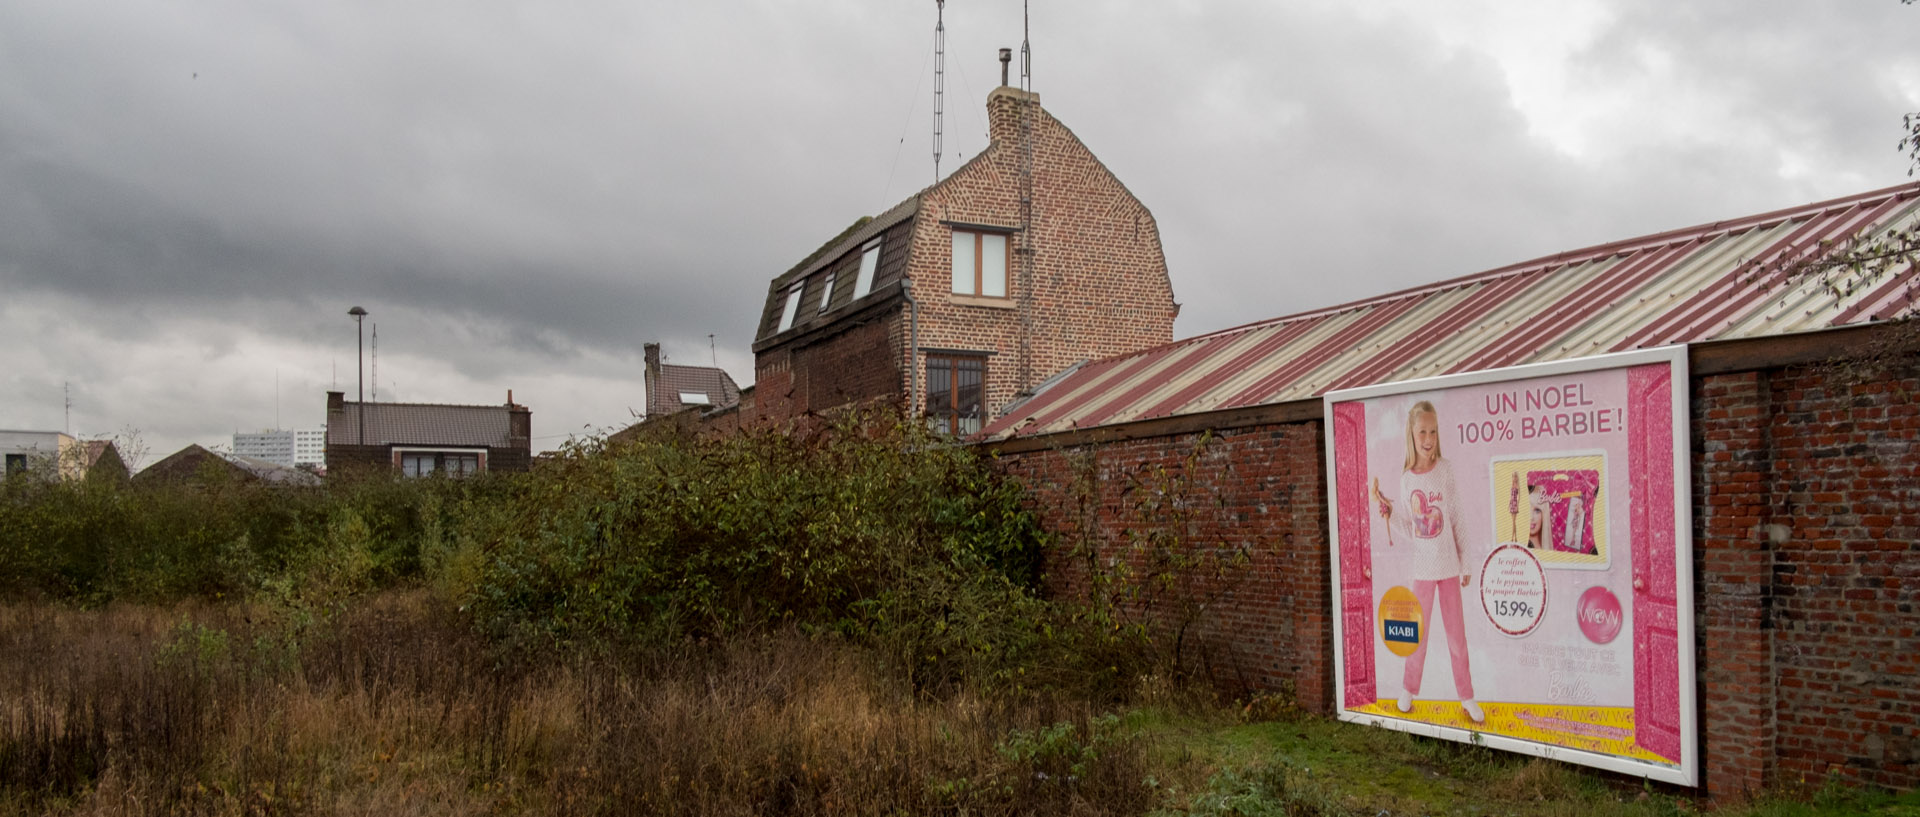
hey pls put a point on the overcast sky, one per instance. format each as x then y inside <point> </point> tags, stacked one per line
<point>193,194</point>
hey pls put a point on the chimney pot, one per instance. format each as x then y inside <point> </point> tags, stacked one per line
<point>1006,59</point>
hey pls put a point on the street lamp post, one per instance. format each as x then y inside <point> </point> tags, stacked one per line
<point>359,363</point>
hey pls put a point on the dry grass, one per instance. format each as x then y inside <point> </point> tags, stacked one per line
<point>396,709</point>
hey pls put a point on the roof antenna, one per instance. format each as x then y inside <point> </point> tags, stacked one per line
<point>376,363</point>
<point>1026,53</point>
<point>714,352</point>
<point>939,80</point>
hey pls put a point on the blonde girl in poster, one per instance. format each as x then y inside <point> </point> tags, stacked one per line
<point>1423,528</point>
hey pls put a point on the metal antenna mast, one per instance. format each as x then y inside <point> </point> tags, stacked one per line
<point>939,80</point>
<point>1026,52</point>
<point>376,363</point>
<point>1024,249</point>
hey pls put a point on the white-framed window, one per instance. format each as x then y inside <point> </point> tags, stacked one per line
<point>826,291</point>
<point>793,307</point>
<point>869,263</point>
<point>694,398</point>
<point>426,462</point>
<point>980,263</point>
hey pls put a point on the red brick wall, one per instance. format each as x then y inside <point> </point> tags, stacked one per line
<point>855,366</point>
<point>1811,535</point>
<point>1254,491</point>
<point>1806,533</point>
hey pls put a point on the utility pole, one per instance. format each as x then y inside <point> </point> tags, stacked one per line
<point>359,362</point>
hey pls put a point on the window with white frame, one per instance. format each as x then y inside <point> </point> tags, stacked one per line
<point>826,290</point>
<point>416,462</point>
<point>793,307</point>
<point>869,264</point>
<point>980,263</point>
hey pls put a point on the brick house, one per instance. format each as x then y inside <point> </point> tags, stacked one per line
<point>420,439</point>
<point>672,388</point>
<point>1028,259</point>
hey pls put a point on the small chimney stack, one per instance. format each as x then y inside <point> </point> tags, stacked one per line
<point>1006,59</point>
<point>653,376</point>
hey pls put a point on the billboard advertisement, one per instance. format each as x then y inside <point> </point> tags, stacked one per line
<point>1512,560</point>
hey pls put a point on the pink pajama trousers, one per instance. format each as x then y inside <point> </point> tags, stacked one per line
<point>1449,590</point>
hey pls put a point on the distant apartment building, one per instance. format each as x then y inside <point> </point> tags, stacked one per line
<point>290,447</point>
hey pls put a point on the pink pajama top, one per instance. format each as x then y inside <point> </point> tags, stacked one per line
<point>1422,527</point>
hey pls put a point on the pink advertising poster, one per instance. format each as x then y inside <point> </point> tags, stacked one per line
<point>1512,560</point>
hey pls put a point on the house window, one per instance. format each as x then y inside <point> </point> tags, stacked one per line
<point>793,306</point>
<point>16,464</point>
<point>826,291</point>
<point>416,463</point>
<point>956,393</point>
<point>694,398</point>
<point>979,263</point>
<point>869,262</point>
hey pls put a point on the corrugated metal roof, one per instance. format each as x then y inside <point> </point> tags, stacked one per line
<point>1683,286</point>
<point>423,424</point>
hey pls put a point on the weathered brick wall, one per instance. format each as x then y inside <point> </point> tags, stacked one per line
<point>1842,499</point>
<point>854,366</point>
<point>1255,492</point>
<point>1806,529</point>
<point>1098,282</point>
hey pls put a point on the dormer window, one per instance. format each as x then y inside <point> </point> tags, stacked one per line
<point>869,262</point>
<point>826,291</point>
<point>793,307</point>
<point>980,263</point>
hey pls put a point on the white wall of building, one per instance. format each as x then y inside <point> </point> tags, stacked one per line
<point>291,447</point>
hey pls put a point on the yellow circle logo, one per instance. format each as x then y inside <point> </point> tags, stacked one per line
<point>1401,626</point>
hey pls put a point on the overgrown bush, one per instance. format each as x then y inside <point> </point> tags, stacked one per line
<point>870,527</point>
<point>214,537</point>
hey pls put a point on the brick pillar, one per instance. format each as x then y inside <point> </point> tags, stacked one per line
<point>1733,555</point>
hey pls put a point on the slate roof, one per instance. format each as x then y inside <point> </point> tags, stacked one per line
<point>840,258</point>
<point>716,384</point>
<point>1684,286</point>
<point>423,424</point>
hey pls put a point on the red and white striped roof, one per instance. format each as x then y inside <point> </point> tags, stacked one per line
<point>1684,286</point>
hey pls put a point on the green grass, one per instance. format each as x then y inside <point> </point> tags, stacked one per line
<point>1207,761</point>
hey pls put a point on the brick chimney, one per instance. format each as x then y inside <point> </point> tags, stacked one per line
<point>653,375</point>
<point>1004,108</point>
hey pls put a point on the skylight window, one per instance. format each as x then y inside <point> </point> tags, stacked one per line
<point>869,262</point>
<point>793,307</point>
<point>694,398</point>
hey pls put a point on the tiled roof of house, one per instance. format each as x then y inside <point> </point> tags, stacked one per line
<point>272,471</point>
<point>715,385</point>
<point>839,259</point>
<point>422,424</point>
<point>1684,286</point>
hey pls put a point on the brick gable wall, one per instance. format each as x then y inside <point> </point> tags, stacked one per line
<point>1097,283</point>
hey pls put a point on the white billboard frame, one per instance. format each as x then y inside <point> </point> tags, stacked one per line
<point>1687,771</point>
